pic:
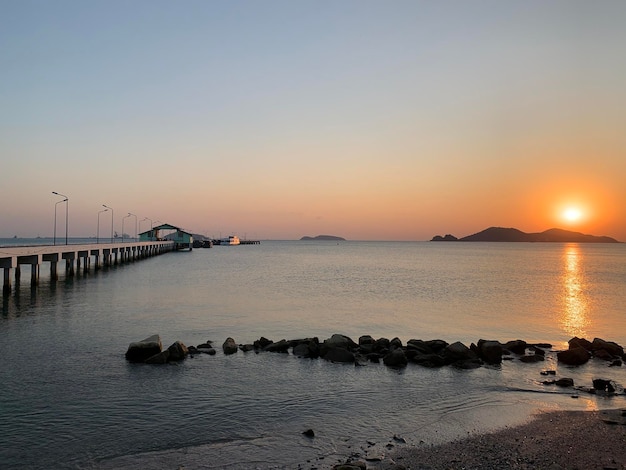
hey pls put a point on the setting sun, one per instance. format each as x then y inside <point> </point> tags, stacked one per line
<point>572,214</point>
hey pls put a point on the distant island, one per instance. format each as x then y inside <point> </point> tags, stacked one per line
<point>499,234</point>
<point>324,237</point>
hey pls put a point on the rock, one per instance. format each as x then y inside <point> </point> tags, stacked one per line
<point>603,354</point>
<point>468,364</point>
<point>573,357</point>
<point>577,342</point>
<point>309,349</point>
<point>437,345</point>
<point>411,353</point>
<point>490,351</point>
<point>458,352</point>
<point>206,349</point>
<point>337,341</point>
<point>313,340</point>
<point>341,341</point>
<point>159,358</point>
<point>381,344</point>
<point>229,346</point>
<point>246,347</point>
<point>564,382</point>
<point>616,363</point>
<point>262,343</point>
<point>142,350</point>
<point>338,355</point>
<point>395,344</point>
<point>429,360</point>
<point>419,346</point>
<point>366,340</point>
<point>301,350</point>
<point>604,385</point>
<point>177,351</point>
<point>309,433</point>
<point>281,346</point>
<point>517,346</point>
<point>548,372</point>
<point>395,358</point>
<point>610,347</point>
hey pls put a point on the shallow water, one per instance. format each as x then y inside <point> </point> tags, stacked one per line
<point>68,399</point>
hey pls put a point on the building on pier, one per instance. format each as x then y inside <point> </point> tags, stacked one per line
<point>167,232</point>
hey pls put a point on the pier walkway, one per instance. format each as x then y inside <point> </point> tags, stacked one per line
<point>75,256</point>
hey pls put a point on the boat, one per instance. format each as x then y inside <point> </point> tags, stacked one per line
<point>231,240</point>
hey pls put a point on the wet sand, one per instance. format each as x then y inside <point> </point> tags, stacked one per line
<point>554,440</point>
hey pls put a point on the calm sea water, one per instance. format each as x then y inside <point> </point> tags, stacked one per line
<point>68,399</point>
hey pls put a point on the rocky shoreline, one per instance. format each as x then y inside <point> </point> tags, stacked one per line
<point>489,451</point>
<point>393,353</point>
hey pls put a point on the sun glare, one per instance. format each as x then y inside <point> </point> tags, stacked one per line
<point>572,214</point>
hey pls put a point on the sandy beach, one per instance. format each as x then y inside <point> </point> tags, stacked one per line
<point>552,440</point>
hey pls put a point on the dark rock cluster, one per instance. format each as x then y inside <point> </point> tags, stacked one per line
<point>393,353</point>
<point>150,351</point>
<point>581,350</point>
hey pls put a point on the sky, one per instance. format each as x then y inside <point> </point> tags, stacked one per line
<point>369,120</point>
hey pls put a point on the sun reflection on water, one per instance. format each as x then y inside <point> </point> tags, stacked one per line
<point>574,316</point>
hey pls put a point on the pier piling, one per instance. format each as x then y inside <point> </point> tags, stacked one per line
<point>75,256</point>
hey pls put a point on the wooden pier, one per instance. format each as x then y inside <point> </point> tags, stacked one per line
<point>75,256</point>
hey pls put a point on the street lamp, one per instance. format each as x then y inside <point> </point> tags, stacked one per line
<point>125,217</point>
<point>129,214</point>
<point>111,209</point>
<point>66,201</point>
<point>98,226</point>
<point>146,218</point>
<point>54,237</point>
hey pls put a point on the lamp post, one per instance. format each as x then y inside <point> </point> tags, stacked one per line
<point>55,216</point>
<point>111,209</point>
<point>54,238</point>
<point>146,218</point>
<point>98,226</point>
<point>129,214</point>
<point>125,217</point>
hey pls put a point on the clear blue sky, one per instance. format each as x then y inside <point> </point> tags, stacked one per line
<point>278,119</point>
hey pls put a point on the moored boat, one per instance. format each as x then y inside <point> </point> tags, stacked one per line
<point>231,240</point>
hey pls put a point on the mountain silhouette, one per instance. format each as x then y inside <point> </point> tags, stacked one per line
<point>500,234</point>
<point>324,237</point>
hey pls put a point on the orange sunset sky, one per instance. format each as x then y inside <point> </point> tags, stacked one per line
<point>272,120</point>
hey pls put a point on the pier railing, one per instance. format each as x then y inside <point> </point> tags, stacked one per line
<point>75,256</point>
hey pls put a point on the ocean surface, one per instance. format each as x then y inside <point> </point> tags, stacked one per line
<point>69,399</point>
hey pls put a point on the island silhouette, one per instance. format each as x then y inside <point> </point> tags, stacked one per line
<point>501,234</point>
<point>324,237</point>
